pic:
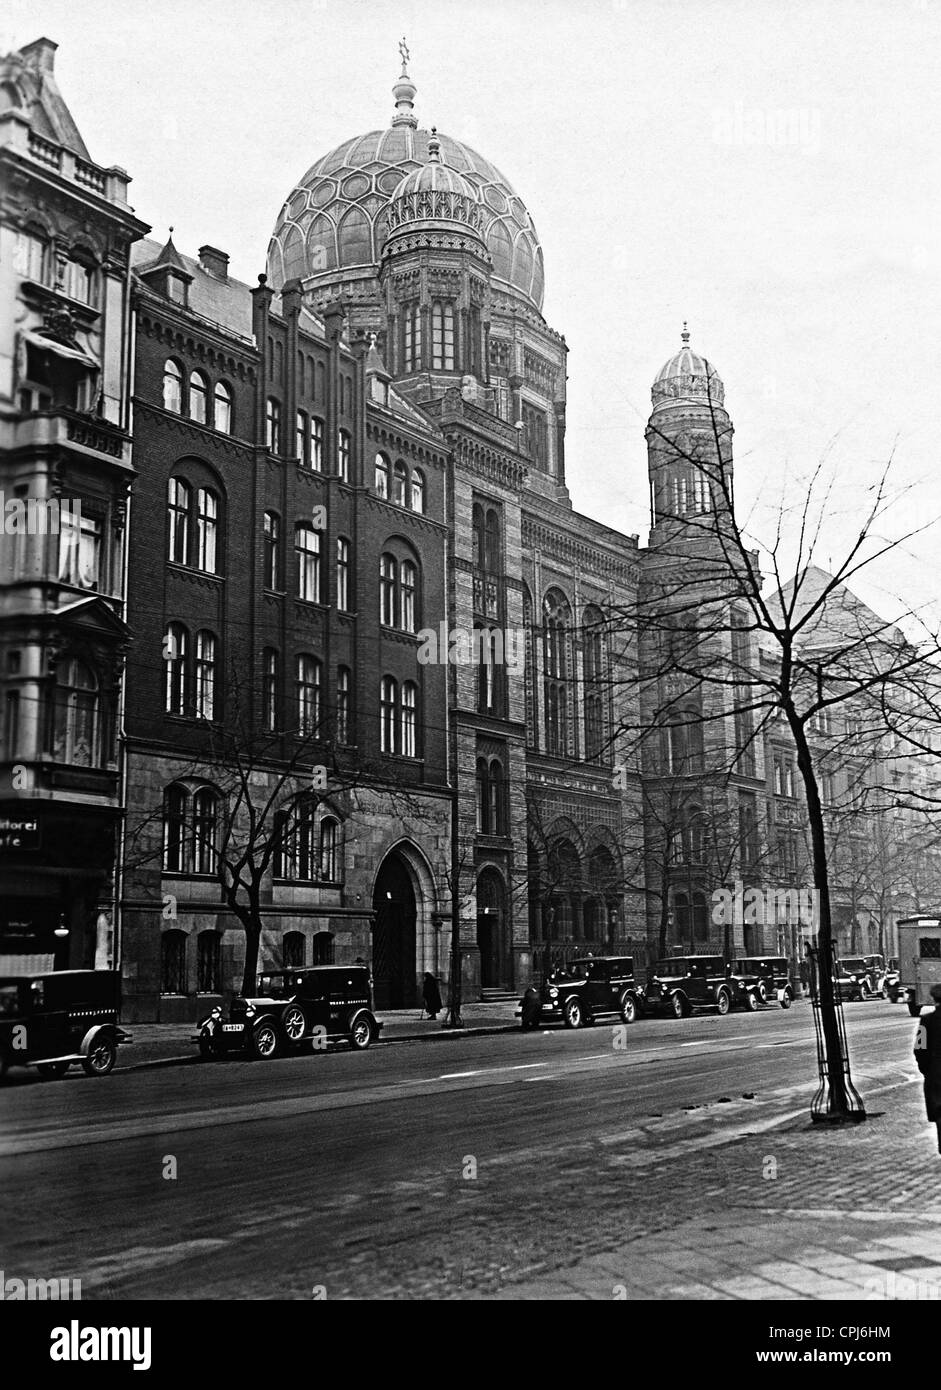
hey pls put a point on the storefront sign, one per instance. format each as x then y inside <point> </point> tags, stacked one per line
<point>18,833</point>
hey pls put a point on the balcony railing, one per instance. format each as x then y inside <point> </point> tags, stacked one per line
<point>45,150</point>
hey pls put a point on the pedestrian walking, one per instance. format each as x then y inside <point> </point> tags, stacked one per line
<point>928,1057</point>
<point>531,1008</point>
<point>431,995</point>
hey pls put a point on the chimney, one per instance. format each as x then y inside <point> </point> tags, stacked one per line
<point>40,55</point>
<point>214,261</point>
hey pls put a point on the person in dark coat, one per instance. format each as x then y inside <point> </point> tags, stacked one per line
<point>928,1057</point>
<point>431,995</point>
<point>531,1008</point>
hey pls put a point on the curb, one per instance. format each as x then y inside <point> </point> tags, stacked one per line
<point>444,1035</point>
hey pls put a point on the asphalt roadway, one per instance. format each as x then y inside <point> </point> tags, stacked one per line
<point>408,1171</point>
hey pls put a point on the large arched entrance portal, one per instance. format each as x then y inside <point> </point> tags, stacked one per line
<point>393,942</point>
<point>492,930</point>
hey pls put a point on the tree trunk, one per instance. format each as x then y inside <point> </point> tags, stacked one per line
<point>833,1051</point>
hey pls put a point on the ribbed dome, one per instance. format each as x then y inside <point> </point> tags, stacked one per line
<point>334,223</point>
<point>687,377</point>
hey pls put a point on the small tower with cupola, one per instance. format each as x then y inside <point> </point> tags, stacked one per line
<point>434,273</point>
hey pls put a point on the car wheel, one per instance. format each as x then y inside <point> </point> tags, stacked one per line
<point>628,1007</point>
<point>51,1071</point>
<point>294,1024</point>
<point>360,1033</point>
<point>893,996</point>
<point>864,991</point>
<point>761,990</point>
<point>680,1005</point>
<point>752,1002</point>
<point>723,1001</point>
<point>264,1040</point>
<point>786,999</point>
<point>101,1057</point>
<point>572,1013</point>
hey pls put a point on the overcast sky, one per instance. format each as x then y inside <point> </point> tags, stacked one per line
<point>767,170</point>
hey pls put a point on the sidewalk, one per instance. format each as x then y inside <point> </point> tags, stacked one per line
<point>165,1044</point>
<point>797,1212</point>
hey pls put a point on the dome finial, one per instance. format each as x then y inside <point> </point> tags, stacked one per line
<point>685,335</point>
<point>434,146</point>
<point>404,92</point>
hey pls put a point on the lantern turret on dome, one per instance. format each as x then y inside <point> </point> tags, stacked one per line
<point>435,198</point>
<point>686,377</point>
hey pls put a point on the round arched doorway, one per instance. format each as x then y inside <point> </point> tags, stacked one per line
<point>492,930</point>
<point>393,938</point>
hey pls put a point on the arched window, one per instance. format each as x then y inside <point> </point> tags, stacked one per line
<point>309,686</point>
<point>595,686</point>
<point>492,548</point>
<point>483,797</point>
<point>400,484</point>
<point>343,455</point>
<point>408,581</point>
<point>223,407</point>
<point>322,953</point>
<point>497,798</point>
<point>209,962</point>
<point>174,829</point>
<point>76,735</point>
<point>270,693</point>
<point>491,680</point>
<point>696,837</point>
<point>271,558</point>
<point>176,656</point>
<point>302,438</point>
<point>411,338</point>
<point>179,501</point>
<point>382,476</point>
<point>409,720</point>
<point>700,917</point>
<point>418,491</point>
<point>307,549</point>
<point>388,585</point>
<point>442,335</point>
<point>558,665</point>
<point>388,709</point>
<point>205,675</point>
<point>173,386</point>
<point>328,850</point>
<point>273,425</point>
<point>199,397</point>
<point>316,444</point>
<point>344,680</point>
<point>205,831</point>
<point>207,530</point>
<point>343,574</point>
<point>293,950</point>
<point>173,962</point>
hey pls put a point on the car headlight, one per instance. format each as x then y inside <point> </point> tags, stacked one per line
<point>553,993</point>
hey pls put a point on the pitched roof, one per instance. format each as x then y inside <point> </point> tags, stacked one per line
<point>842,618</point>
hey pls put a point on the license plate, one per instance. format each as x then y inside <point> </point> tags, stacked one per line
<point>231,1027</point>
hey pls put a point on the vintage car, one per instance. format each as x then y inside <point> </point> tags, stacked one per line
<point>586,990</point>
<point>294,1009</point>
<point>859,977</point>
<point>768,977</point>
<point>50,1021</point>
<point>680,984</point>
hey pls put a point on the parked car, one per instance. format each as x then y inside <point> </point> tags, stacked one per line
<point>680,984</point>
<point>893,981</point>
<point>857,978</point>
<point>50,1021</point>
<point>602,986</point>
<point>768,977</point>
<point>294,1008</point>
